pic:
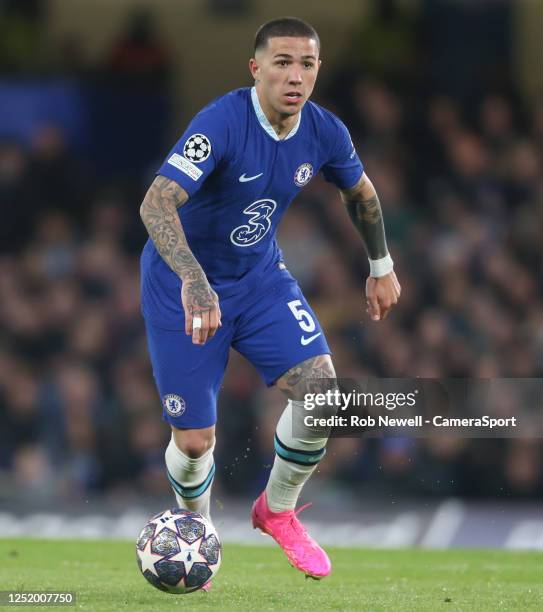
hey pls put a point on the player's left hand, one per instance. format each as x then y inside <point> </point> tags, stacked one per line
<point>381,294</point>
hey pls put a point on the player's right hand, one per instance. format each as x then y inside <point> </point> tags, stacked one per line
<point>202,311</point>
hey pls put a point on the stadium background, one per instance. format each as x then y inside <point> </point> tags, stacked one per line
<point>443,100</point>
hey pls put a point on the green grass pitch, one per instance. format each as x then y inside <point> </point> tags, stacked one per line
<point>105,576</point>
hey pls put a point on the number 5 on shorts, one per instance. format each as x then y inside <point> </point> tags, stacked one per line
<point>305,320</point>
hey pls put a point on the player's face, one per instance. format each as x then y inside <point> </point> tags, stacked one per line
<point>285,72</point>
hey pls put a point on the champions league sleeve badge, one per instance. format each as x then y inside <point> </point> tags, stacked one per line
<point>197,148</point>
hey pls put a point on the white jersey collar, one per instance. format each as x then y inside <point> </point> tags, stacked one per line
<point>263,120</point>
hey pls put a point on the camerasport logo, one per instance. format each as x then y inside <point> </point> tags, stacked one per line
<point>174,404</point>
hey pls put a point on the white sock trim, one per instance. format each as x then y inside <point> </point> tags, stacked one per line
<point>288,477</point>
<point>307,441</point>
<point>187,475</point>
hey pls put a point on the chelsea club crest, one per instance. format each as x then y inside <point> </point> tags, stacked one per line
<point>174,404</point>
<point>303,174</point>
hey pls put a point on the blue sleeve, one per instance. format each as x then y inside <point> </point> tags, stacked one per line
<point>201,148</point>
<point>344,167</point>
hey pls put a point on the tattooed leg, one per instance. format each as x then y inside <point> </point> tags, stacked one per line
<point>315,375</point>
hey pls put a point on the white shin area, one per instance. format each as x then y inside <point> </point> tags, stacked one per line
<point>191,478</point>
<point>296,459</point>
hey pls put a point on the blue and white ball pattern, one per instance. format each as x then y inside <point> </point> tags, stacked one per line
<point>178,551</point>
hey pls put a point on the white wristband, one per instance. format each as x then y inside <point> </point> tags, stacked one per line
<point>381,267</point>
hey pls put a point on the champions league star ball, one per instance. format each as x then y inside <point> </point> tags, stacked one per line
<point>178,551</point>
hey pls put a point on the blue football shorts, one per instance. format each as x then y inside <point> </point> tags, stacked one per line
<point>271,325</point>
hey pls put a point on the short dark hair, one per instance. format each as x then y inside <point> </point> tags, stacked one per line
<point>285,26</point>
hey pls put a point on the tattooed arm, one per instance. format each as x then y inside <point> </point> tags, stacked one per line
<point>382,289</point>
<point>159,215</point>
<point>365,212</point>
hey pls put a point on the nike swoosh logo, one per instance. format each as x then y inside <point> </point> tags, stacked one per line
<point>246,179</point>
<point>306,341</point>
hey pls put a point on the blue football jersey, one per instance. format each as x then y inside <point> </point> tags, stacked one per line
<point>240,178</point>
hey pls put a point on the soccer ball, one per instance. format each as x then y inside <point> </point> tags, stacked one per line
<point>178,551</point>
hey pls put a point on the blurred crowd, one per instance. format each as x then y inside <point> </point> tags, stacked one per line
<point>462,192</point>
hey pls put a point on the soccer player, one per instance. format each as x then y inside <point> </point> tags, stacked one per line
<point>213,275</point>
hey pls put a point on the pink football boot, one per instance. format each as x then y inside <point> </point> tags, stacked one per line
<point>285,528</point>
